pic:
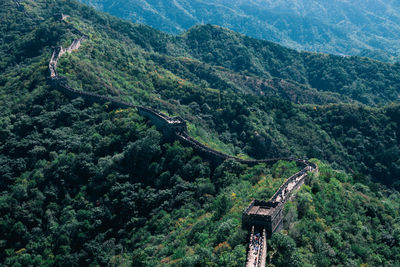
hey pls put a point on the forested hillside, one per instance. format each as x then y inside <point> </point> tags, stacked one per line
<point>84,184</point>
<point>367,28</point>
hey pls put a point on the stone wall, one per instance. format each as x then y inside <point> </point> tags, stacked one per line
<point>272,221</point>
<point>168,125</point>
<point>172,127</point>
<point>175,128</point>
<point>164,123</point>
<point>257,258</point>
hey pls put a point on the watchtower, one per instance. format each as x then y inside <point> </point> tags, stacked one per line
<point>264,214</point>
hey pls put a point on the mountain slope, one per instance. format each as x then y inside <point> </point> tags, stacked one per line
<point>339,27</point>
<point>191,76</point>
<point>85,184</point>
<point>344,79</point>
<point>245,123</point>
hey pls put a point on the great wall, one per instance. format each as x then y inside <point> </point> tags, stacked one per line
<point>261,218</point>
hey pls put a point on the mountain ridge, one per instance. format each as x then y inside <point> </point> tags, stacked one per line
<point>353,29</point>
<point>158,76</point>
<point>87,184</point>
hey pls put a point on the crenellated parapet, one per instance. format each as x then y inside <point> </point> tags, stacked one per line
<point>170,126</point>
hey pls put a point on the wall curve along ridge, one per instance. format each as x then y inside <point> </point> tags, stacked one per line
<point>262,218</point>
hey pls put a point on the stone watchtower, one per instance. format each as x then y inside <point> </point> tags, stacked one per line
<point>266,215</point>
<point>168,125</point>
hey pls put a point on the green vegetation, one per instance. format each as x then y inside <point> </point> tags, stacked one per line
<point>352,27</point>
<point>336,220</point>
<point>154,61</point>
<point>85,185</point>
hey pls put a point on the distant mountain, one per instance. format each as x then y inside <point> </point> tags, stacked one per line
<point>84,184</point>
<point>367,28</point>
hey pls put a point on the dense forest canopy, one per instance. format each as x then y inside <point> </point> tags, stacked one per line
<point>84,184</point>
<point>357,27</point>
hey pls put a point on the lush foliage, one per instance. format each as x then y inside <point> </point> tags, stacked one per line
<point>117,61</point>
<point>339,27</point>
<point>85,185</point>
<point>246,123</point>
<point>343,223</point>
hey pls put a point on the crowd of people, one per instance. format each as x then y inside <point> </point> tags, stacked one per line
<point>256,244</point>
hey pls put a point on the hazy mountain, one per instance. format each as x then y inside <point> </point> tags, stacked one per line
<point>339,27</point>
<point>85,184</point>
